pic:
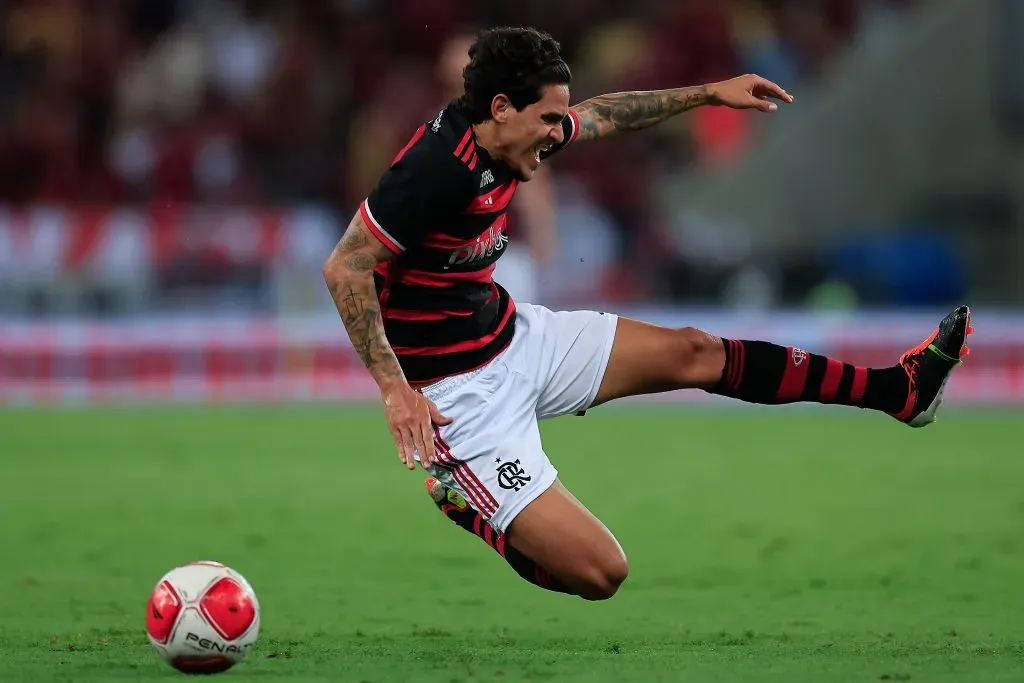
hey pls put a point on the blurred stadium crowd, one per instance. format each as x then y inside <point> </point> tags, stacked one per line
<point>281,103</point>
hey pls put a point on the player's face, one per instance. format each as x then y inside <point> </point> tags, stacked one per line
<point>525,133</point>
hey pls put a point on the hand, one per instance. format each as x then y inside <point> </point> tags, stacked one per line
<point>748,92</point>
<point>411,418</point>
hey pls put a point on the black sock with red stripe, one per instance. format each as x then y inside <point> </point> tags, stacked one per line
<point>473,522</point>
<point>761,372</point>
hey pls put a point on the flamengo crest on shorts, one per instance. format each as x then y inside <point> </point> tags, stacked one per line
<point>510,475</point>
<point>491,453</point>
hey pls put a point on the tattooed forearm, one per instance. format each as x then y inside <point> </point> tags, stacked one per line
<point>348,273</point>
<point>626,111</point>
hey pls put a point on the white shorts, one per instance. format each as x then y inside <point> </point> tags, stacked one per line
<point>491,452</point>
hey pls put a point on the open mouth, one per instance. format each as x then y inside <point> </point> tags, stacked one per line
<point>540,149</point>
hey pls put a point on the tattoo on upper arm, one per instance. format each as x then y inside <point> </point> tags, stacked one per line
<point>628,111</point>
<point>360,249</point>
<point>350,281</point>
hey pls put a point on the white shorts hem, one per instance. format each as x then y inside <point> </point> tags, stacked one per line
<point>503,518</point>
<point>606,355</point>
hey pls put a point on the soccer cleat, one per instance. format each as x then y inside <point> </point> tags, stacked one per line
<point>931,363</point>
<point>455,508</point>
<point>449,501</point>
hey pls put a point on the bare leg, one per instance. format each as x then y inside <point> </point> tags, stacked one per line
<point>647,359</point>
<point>556,543</point>
<point>589,560</point>
<point>557,532</point>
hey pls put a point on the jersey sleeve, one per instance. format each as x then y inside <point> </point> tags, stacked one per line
<point>413,196</point>
<point>570,131</point>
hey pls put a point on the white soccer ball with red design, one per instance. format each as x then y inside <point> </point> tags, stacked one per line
<point>203,617</point>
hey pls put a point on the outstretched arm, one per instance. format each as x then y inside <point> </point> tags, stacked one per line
<point>628,111</point>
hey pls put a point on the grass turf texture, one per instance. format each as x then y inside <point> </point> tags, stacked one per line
<point>765,545</point>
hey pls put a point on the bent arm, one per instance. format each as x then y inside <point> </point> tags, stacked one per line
<point>348,273</point>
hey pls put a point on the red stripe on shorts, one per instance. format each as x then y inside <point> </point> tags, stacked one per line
<point>489,505</point>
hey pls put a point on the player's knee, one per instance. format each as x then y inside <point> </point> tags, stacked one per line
<point>693,343</point>
<point>697,356</point>
<point>602,579</point>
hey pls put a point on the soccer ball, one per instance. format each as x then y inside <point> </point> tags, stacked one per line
<point>203,617</point>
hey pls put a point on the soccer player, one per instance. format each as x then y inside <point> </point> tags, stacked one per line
<point>533,239</point>
<point>465,373</point>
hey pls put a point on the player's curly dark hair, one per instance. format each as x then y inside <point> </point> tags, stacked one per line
<point>515,62</point>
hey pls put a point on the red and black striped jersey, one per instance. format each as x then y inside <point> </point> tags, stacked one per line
<point>441,208</point>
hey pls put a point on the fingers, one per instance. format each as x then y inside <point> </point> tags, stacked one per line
<point>418,438</point>
<point>413,431</point>
<point>770,89</point>
<point>436,416</point>
<point>760,91</point>
<point>425,442</point>
<point>404,443</point>
<point>408,444</point>
<point>430,451</point>
<point>751,92</point>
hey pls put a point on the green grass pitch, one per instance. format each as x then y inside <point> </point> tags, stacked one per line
<point>771,544</point>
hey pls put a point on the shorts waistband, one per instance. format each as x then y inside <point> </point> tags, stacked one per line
<point>443,387</point>
<point>438,390</point>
